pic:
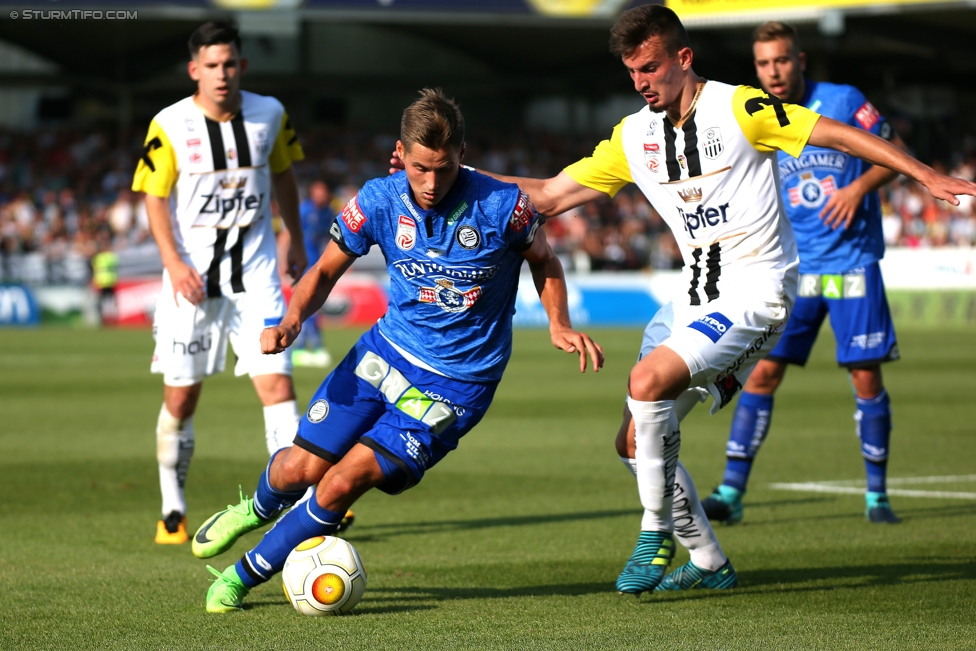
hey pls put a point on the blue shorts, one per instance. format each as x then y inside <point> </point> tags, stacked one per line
<point>859,316</point>
<point>409,416</point>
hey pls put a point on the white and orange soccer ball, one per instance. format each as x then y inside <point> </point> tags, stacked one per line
<point>324,576</point>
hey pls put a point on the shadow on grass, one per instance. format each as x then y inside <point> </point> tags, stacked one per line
<point>376,532</point>
<point>906,514</point>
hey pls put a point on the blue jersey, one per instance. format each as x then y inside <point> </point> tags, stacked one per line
<point>807,181</point>
<point>316,223</point>
<point>453,269</point>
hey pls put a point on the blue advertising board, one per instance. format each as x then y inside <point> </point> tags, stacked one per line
<point>18,306</point>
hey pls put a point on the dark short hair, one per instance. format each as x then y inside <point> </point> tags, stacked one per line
<point>775,30</point>
<point>214,32</point>
<point>434,121</point>
<point>641,23</point>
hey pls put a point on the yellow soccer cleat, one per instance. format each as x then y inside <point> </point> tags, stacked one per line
<point>171,530</point>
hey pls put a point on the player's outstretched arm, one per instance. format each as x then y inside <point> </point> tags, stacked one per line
<point>286,192</point>
<point>310,294</point>
<point>182,276</point>
<point>869,147</point>
<point>842,204</point>
<point>551,196</point>
<point>550,282</point>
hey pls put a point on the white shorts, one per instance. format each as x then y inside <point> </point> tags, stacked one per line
<point>720,342</point>
<point>191,340</point>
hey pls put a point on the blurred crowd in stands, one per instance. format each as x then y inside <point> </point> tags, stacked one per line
<point>64,196</point>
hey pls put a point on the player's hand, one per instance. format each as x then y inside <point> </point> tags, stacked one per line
<point>947,188</point>
<point>578,342</point>
<point>296,261</point>
<point>841,207</point>
<point>186,281</point>
<point>396,163</point>
<point>276,339</point>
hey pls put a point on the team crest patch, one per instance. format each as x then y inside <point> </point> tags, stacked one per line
<point>712,325</point>
<point>712,143</point>
<point>652,152</point>
<point>406,235</point>
<point>811,192</point>
<point>261,142</point>
<point>317,411</point>
<point>448,297</point>
<point>468,237</point>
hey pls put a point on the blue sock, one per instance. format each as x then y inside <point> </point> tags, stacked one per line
<point>269,501</point>
<point>750,423</point>
<point>873,418</point>
<point>299,524</point>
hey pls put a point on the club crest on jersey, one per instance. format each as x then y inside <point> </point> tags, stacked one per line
<point>448,297</point>
<point>353,216</point>
<point>712,145</point>
<point>231,154</point>
<point>317,411</point>
<point>261,142</point>
<point>189,123</point>
<point>652,128</point>
<point>406,235</point>
<point>652,152</point>
<point>468,237</point>
<point>811,192</point>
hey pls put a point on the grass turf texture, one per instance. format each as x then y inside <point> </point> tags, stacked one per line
<point>513,542</point>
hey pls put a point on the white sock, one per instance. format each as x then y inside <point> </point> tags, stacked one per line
<point>281,425</point>
<point>174,449</point>
<point>691,526</point>
<point>658,440</point>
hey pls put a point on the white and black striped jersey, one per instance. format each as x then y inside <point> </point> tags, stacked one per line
<point>219,177</point>
<point>713,178</point>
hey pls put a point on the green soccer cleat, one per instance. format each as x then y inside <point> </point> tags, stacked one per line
<point>724,505</point>
<point>691,577</point>
<point>221,530</point>
<point>878,509</point>
<point>227,592</point>
<point>648,563</point>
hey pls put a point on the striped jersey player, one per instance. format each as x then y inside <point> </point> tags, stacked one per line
<point>210,165</point>
<point>704,154</point>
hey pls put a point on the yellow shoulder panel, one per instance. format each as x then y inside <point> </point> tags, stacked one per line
<point>156,172</point>
<point>607,169</point>
<point>286,148</point>
<point>771,124</point>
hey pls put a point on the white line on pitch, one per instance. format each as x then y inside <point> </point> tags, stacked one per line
<point>824,487</point>
<point>901,481</point>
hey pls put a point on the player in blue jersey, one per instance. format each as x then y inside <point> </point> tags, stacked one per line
<point>832,202</point>
<point>317,216</point>
<point>424,375</point>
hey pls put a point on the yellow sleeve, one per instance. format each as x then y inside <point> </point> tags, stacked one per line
<point>156,172</point>
<point>770,124</point>
<point>286,148</point>
<point>607,169</point>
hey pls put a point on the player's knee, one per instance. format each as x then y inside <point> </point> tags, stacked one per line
<point>297,469</point>
<point>766,377</point>
<point>647,384</point>
<point>274,388</point>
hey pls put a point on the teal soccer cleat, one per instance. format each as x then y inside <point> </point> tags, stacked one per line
<point>878,509</point>
<point>724,505</point>
<point>648,563</point>
<point>691,577</point>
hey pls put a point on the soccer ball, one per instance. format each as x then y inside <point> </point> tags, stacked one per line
<point>324,576</point>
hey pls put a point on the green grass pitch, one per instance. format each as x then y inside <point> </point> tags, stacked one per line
<point>514,541</point>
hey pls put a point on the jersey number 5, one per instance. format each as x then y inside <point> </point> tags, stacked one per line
<point>757,103</point>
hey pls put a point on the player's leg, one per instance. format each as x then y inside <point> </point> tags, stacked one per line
<point>343,483</point>
<point>191,344</point>
<point>174,450</point>
<point>281,416</point>
<point>709,567</point>
<point>655,382</point>
<point>865,339</point>
<point>754,410</point>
